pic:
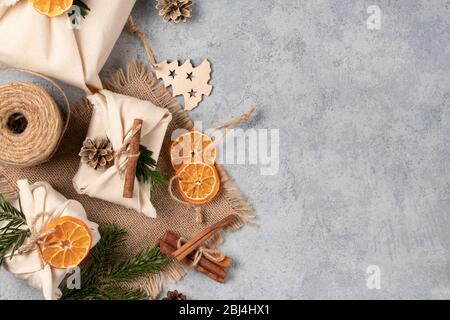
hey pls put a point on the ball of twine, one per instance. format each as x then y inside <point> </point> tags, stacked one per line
<point>31,125</point>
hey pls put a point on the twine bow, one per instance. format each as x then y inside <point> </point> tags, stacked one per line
<point>211,254</point>
<point>35,237</point>
<point>123,150</point>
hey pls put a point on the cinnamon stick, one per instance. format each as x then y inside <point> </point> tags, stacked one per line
<point>212,266</point>
<point>168,250</point>
<point>183,251</point>
<point>225,263</point>
<point>133,157</point>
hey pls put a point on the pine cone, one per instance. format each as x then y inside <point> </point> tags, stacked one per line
<point>174,295</point>
<point>174,10</point>
<point>97,153</point>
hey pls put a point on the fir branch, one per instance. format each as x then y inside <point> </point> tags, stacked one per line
<point>146,170</point>
<point>9,212</point>
<point>101,256</point>
<point>146,261</point>
<point>102,275</point>
<point>12,233</point>
<point>112,238</point>
<point>97,263</point>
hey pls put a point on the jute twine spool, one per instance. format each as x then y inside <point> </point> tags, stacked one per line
<point>31,123</point>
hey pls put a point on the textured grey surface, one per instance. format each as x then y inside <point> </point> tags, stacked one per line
<point>364,142</point>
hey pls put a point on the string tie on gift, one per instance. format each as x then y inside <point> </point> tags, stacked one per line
<point>124,150</point>
<point>35,236</point>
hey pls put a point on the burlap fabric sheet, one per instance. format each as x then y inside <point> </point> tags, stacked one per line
<point>143,232</point>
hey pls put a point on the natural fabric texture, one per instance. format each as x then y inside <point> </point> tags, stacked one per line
<point>142,231</point>
<point>41,204</point>
<point>54,48</point>
<point>112,118</point>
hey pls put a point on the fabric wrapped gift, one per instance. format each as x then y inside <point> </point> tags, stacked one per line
<point>113,118</point>
<point>49,45</point>
<point>41,199</point>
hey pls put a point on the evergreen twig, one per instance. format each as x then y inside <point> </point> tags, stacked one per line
<point>102,275</point>
<point>146,170</point>
<point>12,233</point>
<point>144,262</point>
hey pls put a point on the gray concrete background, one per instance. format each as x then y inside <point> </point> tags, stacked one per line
<point>364,125</point>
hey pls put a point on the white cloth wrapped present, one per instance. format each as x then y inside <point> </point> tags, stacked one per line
<point>49,45</point>
<point>35,200</point>
<point>113,118</point>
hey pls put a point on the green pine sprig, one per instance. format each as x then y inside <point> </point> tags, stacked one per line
<point>144,262</point>
<point>12,233</point>
<point>102,274</point>
<point>147,171</point>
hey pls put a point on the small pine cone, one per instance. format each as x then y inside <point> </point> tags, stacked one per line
<point>97,153</point>
<point>174,295</point>
<point>174,10</point>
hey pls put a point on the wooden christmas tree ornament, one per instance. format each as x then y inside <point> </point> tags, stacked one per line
<point>190,82</point>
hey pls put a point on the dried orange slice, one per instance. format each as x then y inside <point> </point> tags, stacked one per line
<point>198,182</point>
<point>51,8</point>
<point>68,244</point>
<point>192,147</point>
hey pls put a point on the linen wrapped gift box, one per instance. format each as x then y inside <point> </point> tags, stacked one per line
<point>33,41</point>
<point>34,200</point>
<point>113,118</point>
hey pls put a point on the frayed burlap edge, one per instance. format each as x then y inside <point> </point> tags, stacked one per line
<point>6,189</point>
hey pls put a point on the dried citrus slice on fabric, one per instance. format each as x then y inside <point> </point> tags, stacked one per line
<point>192,147</point>
<point>198,183</point>
<point>51,8</point>
<point>68,244</point>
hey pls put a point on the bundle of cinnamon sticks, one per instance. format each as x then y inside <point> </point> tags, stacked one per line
<point>213,270</point>
<point>169,245</point>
